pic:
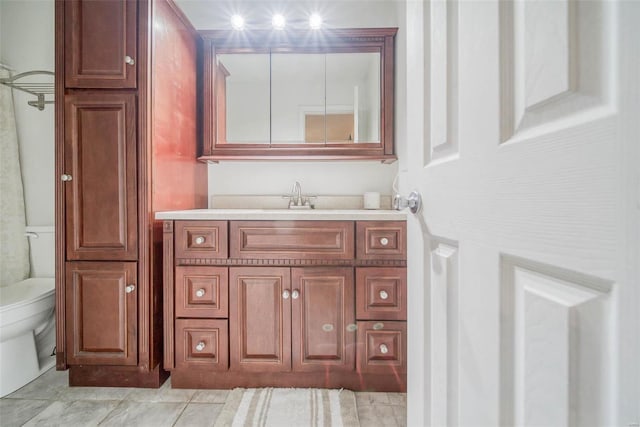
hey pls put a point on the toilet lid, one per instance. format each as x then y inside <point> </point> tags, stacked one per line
<point>26,290</point>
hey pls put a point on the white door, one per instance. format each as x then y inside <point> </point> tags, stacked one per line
<point>523,139</point>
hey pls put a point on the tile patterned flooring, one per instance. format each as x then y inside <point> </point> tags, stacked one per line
<point>49,401</point>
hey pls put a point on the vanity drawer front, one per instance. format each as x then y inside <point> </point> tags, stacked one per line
<point>381,239</point>
<point>292,239</point>
<point>203,344</point>
<point>201,239</point>
<point>382,347</point>
<point>381,293</point>
<point>202,292</point>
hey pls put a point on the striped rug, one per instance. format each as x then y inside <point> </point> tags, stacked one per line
<point>281,407</point>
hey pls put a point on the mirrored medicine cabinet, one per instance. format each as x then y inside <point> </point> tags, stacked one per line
<point>322,95</point>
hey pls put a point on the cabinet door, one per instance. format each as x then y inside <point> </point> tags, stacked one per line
<point>323,319</point>
<point>101,305</point>
<point>100,43</point>
<point>100,163</point>
<point>260,319</point>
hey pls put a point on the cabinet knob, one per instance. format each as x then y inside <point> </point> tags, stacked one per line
<point>129,60</point>
<point>66,177</point>
<point>200,293</point>
<point>295,294</point>
<point>199,240</point>
<point>285,294</point>
<point>130,288</point>
<point>384,241</point>
<point>200,346</point>
<point>384,349</point>
<point>384,295</point>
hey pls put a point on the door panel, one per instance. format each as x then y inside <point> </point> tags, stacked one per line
<point>100,147</point>
<point>102,35</point>
<point>101,313</point>
<point>323,319</point>
<point>522,124</point>
<point>259,319</point>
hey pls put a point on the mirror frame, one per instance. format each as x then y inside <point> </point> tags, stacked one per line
<point>380,40</point>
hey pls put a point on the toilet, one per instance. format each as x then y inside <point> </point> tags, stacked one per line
<point>27,318</point>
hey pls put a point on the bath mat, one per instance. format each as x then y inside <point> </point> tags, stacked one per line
<point>281,407</point>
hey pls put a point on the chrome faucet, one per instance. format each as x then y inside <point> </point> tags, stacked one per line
<point>297,200</point>
<point>296,195</point>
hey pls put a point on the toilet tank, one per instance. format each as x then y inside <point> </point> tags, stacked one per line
<point>42,244</point>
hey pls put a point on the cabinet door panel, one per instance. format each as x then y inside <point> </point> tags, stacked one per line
<point>101,314</point>
<point>259,319</point>
<point>381,293</point>
<point>323,319</point>
<point>381,240</point>
<point>202,344</point>
<point>382,348</point>
<point>202,292</point>
<point>100,149</point>
<point>99,37</point>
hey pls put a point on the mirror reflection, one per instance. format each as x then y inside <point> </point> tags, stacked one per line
<point>297,90</point>
<point>298,98</point>
<point>243,87</point>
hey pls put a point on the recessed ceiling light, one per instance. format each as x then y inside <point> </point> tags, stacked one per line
<point>237,22</point>
<point>278,21</point>
<point>315,21</point>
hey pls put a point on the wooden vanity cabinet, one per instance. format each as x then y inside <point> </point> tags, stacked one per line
<point>124,70</point>
<point>102,313</point>
<point>260,319</point>
<point>101,39</point>
<point>323,319</point>
<point>297,299</point>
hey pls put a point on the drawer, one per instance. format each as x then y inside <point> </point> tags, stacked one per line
<point>201,239</point>
<point>292,239</point>
<point>382,347</point>
<point>381,240</point>
<point>381,293</point>
<point>202,343</point>
<point>202,292</point>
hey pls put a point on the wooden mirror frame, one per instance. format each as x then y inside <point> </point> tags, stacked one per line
<point>302,41</point>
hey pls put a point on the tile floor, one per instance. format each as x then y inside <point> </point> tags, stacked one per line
<point>49,401</point>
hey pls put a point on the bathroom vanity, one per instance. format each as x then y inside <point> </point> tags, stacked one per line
<point>285,298</point>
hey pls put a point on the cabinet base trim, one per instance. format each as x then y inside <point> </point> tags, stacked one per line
<point>116,376</point>
<point>227,380</point>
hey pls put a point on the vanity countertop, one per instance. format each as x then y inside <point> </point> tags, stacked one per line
<point>284,214</point>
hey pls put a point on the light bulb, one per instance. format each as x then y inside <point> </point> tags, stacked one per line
<point>237,22</point>
<point>278,21</point>
<point>315,21</point>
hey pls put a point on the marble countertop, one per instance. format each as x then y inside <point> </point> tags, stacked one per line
<point>284,214</point>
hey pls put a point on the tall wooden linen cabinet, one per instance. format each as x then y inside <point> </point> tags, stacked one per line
<point>126,142</point>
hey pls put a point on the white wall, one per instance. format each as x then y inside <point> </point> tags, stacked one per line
<point>339,178</point>
<point>26,44</point>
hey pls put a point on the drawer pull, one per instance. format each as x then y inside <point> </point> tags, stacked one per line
<point>295,294</point>
<point>377,326</point>
<point>384,295</point>
<point>130,288</point>
<point>199,240</point>
<point>384,241</point>
<point>352,327</point>
<point>285,294</point>
<point>129,60</point>
<point>200,346</point>
<point>200,293</point>
<point>384,349</point>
